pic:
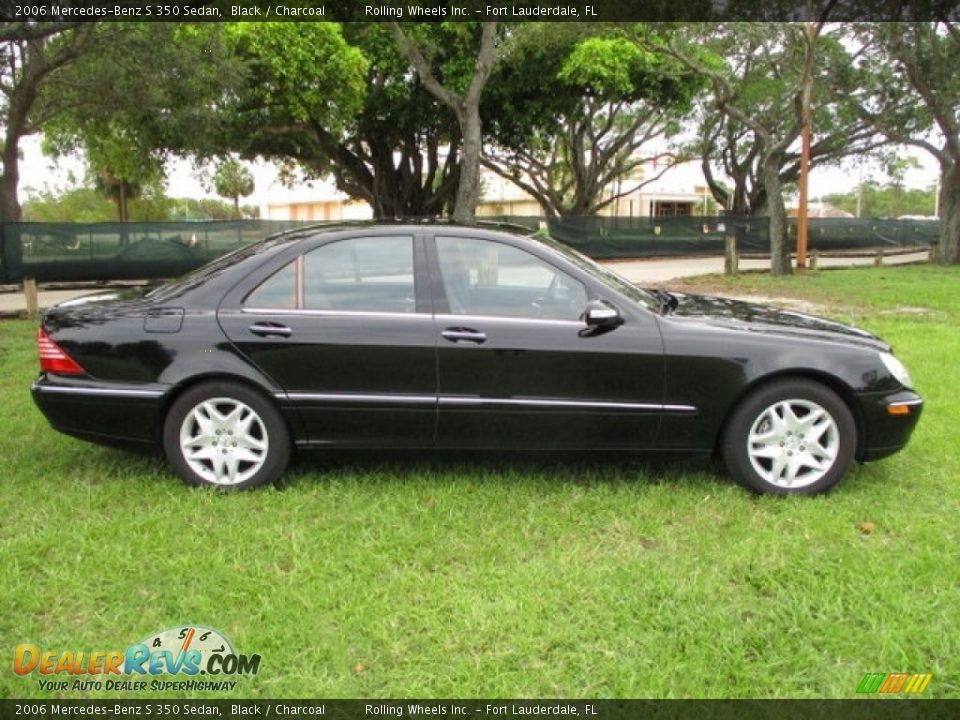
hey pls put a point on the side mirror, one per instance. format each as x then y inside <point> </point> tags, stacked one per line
<point>600,314</point>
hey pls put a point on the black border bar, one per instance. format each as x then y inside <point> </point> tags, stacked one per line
<point>885,709</point>
<point>479,10</point>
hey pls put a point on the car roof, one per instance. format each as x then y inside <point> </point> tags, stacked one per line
<point>337,225</point>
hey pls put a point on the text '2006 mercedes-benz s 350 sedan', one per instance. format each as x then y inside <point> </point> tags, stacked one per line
<point>445,336</point>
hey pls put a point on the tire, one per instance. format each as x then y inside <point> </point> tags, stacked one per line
<point>226,435</point>
<point>790,437</point>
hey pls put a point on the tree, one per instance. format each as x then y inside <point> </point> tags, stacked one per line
<point>604,103</point>
<point>340,100</point>
<point>884,201</point>
<point>32,56</point>
<point>164,80</point>
<point>233,180</point>
<point>725,144</point>
<point>462,94</point>
<point>121,167</point>
<point>80,205</point>
<point>759,74</point>
<point>909,91</point>
<point>89,205</point>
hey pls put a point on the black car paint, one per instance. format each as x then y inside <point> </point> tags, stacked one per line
<point>659,381</point>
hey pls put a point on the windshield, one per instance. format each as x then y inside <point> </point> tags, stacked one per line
<point>604,274</point>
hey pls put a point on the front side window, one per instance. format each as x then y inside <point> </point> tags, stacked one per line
<point>368,274</point>
<point>483,277</point>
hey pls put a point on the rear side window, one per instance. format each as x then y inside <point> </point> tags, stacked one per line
<point>367,274</point>
<point>279,291</point>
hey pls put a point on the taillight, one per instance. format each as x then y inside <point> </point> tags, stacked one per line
<point>52,357</point>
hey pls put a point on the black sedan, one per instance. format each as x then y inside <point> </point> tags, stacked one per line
<point>443,336</point>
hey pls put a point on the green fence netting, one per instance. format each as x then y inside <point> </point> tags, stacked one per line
<point>64,252</point>
<point>610,237</point>
<point>60,252</point>
<point>855,233</point>
<point>630,237</point>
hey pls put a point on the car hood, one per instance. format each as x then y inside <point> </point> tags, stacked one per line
<point>753,317</point>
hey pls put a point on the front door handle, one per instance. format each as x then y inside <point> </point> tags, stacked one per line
<point>266,329</point>
<point>463,334</point>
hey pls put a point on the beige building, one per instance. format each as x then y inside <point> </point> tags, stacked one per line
<point>316,201</point>
<point>678,192</point>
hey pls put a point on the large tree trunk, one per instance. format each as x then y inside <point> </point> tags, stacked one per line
<point>417,183</point>
<point>949,241</point>
<point>10,177</point>
<point>122,213</point>
<point>779,245</point>
<point>466,106</point>
<point>468,192</point>
<point>741,205</point>
<point>10,210</point>
<point>406,188</point>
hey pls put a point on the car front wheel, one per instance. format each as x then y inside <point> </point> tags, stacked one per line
<point>791,436</point>
<point>225,435</point>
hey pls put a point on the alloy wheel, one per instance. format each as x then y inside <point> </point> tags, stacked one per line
<point>793,443</point>
<point>224,441</point>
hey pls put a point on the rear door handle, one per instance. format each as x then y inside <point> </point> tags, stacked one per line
<point>462,334</point>
<point>266,329</point>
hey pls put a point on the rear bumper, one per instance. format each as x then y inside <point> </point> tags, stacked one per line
<point>101,412</point>
<point>888,422</point>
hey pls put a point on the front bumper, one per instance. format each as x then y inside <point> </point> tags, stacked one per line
<point>888,422</point>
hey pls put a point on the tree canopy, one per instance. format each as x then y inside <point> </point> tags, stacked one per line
<point>905,85</point>
<point>164,79</point>
<point>33,59</point>
<point>341,101</point>
<point>604,109</point>
<point>761,76</point>
<point>887,200</point>
<point>233,180</point>
<point>402,116</point>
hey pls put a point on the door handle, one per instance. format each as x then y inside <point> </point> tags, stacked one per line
<point>266,329</point>
<point>462,334</point>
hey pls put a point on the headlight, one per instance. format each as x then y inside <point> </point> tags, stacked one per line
<point>897,369</point>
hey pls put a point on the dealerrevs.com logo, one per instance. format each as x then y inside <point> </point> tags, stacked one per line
<point>188,651</point>
<point>894,683</point>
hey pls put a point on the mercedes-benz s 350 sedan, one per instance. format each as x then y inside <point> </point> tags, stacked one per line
<point>444,336</point>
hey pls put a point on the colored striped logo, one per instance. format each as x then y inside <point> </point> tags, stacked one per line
<point>893,683</point>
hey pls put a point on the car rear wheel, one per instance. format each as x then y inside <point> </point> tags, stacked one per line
<point>791,436</point>
<point>226,435</point>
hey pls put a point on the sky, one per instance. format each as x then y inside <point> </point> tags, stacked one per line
<point>39,172</point>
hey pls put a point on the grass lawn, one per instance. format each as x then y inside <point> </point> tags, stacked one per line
<point>420,577</point>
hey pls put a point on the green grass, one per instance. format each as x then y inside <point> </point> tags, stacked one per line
<point>393,578</point>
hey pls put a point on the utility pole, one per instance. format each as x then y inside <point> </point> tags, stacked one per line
<point>802,210</point>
